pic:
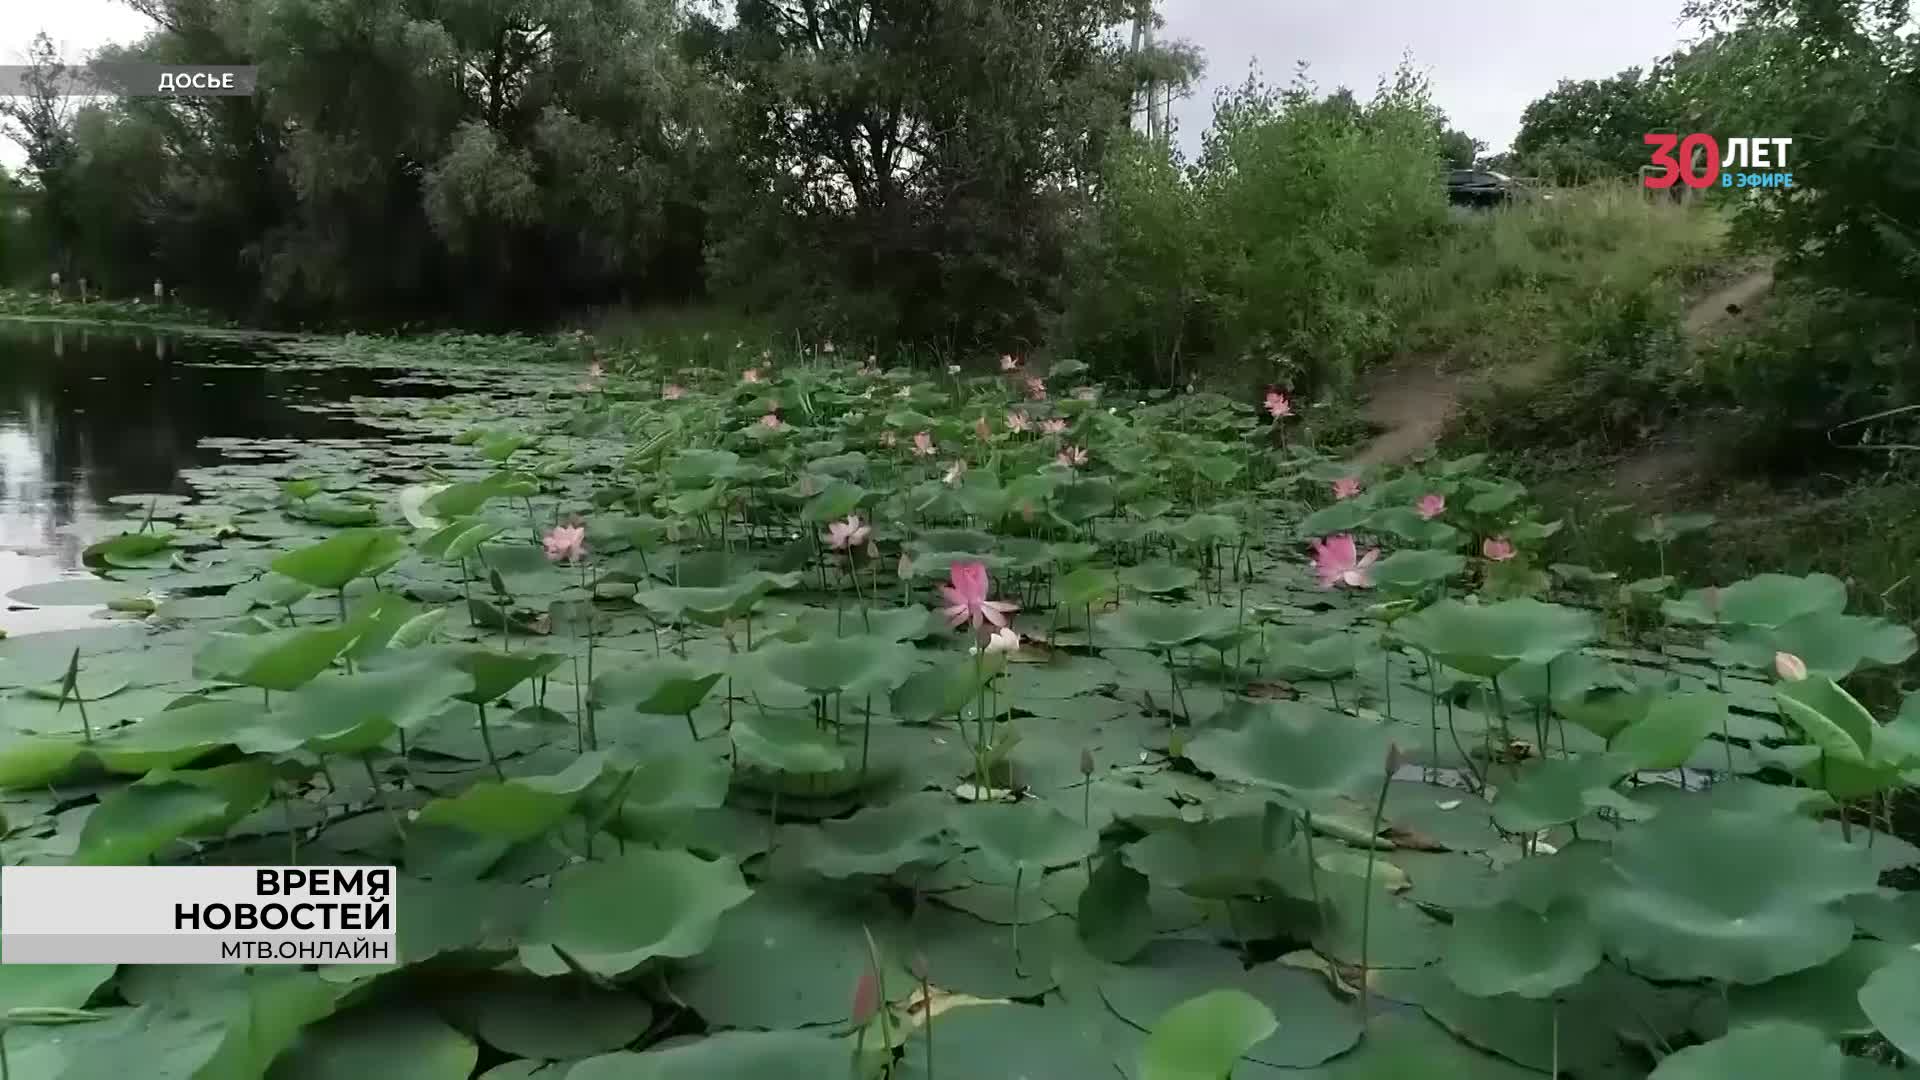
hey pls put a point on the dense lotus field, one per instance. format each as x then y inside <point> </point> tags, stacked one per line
<point>820,721</point>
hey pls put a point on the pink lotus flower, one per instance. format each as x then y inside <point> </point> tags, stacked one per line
<point>1037,389</point>
<point>1430,506</point>
<point>1339,562</point>
<point>983,429</point>
<point>1086,393</point>
<point>1277,405</point>
<point>888,439</point>
<point>673,392</point>
<point>1008,363</point>
<point>568,542</point>
<point>1346,487</point>
<point>867,370</point>
<point>1789,667</point>
<point>923,445</point>
<point>953,369</point>
<point>967,597</point>
<point>1497,548</point>
<point>1054,426</point>
<point>596,372</point>
<point>1017,421</point>
<point>903,393</point>
<point>850,533</point>
<point>827,348</point>
<point>955,471</point>
<point>771,422</point>
<point>1003,640</point>
<point>751,375</point>
<point>1072,457</point>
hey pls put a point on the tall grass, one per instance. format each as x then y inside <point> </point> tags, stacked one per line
<point>1504,285</point>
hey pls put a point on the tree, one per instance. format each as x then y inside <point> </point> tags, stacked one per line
<point>906,169</point>
<point>1592,129</point>
<point>38,122</point>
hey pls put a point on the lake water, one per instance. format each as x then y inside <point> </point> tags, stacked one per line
<point>91,413</point>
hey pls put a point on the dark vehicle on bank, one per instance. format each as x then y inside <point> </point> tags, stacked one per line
<point>1484,187</point>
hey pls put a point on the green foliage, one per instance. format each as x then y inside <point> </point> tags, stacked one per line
<point>821,805</point>
<point>1266,253</point>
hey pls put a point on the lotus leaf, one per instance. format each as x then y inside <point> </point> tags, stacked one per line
<point>613,916</point>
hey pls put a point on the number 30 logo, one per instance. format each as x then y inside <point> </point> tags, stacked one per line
<point>1682,167</point>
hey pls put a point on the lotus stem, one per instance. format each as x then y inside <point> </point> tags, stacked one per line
<point>380,796</point>
<point>486,740</point>
<point>1018,873</point>
<point>1366,901</point>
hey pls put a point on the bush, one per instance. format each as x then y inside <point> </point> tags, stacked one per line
<point>1266,253</point>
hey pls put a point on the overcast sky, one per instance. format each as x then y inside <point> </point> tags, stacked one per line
<point>1487,58</point>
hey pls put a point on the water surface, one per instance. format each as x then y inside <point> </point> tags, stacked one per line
<point>91,413</point>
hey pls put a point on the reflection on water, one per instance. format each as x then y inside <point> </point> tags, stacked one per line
<point>87,414</point>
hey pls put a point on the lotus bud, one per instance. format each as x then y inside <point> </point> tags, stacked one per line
<point>1789,667</point>
<point>1086,762</point>
<point>866,996</point>
<point>1394,759</point>
<point>1176,744</point>
<point>873,549</point>
<point>905,567</point>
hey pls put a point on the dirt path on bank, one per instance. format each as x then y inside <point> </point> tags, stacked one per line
<point>1412,400</point>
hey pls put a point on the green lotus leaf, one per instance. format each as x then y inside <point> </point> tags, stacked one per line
<point>1826,998</point>
<point>714,604</point>
<point>460,539</point>
<point>1399,1046</point>
<point>1487,639</point>
<point>1761,1052</point>
<point>1160,628</point>
<point>1085,585</point>
<point>945,688</point>
<point>370,1041</point>
<point>1157,579</point>
<point>1829,642</point>
<point>493,674</point>
<point>1312,755</point>
<point>1674,725</point>
<point>273,659</point>
<point>1204,1037</point>
<point>520,807</point>
<point>737,1055</point>
<point>610,917</point>
<point>548,1019</point>
<point>1694,896</point>
<point>786,745</point>
<point>130,550</point>
<point>1767,600</point>
<point>1830,718</point>
<point>839,499</point>
<point>1027,835</point>
<point>465,498</point>
<point>852,665</point>
<point>1314,1026</point>
<point>1556,791</point>
<point>879,840</point>
<point>1607,710</point>
<point>142,819</point>
<point>1404,523</point>
<point>1416,568</point>
<point>1891,1000</point>
<point>343,557</point>
<point>659,687</point>
<point>1511,949</point>
<point>1344,516</point>
<point>1207,529</point>
<point>1114,919</point>
<point>350,713</point>
<point>1307,654</point>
